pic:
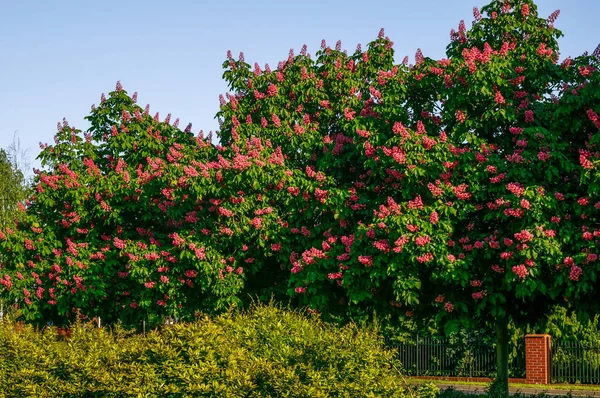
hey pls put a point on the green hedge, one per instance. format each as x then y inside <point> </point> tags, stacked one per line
<point>264,352</point>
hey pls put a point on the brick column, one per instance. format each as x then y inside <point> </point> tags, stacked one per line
<point>537,358</point>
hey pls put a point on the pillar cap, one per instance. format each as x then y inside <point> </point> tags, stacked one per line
<point>537,335</point>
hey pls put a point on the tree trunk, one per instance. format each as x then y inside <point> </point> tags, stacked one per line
<point>502,355</point>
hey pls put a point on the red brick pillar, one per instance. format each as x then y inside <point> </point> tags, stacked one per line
<point>537,358</point>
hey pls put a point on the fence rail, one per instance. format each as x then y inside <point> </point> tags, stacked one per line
<point>575,362</point>
<point>442,357</point>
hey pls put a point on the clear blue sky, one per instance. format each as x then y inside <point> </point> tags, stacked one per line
<point>58,57</point>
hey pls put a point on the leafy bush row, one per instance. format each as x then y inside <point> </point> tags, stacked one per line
<point>264,352</point>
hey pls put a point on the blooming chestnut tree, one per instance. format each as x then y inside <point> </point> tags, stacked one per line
<point>527,242</point>
<point>136,219</point>
<point>464,188</point>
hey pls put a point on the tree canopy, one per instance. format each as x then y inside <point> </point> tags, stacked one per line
<point>12,190</point>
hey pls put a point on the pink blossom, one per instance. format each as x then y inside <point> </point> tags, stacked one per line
<point>461,192</point>
<point>320,195</point>
<point>419,56</point>
<point>520,270</point>
<point>515,188</point>
<point>529,262</point>
<point>575,273</point>
<point>149,284</point>
<point>225,212</point>
<point>436,191</point>
<point>544,155</point>
<point>412,227</point>
<point>552,18</point>
<point>300,289</point>
<point>118,243</point>
<point>568,261</point>
<point>506,255</point>
<point>590,112</point>
<point>305,231</point>
<point>363,133</point>
<point>6,281</point>
<point>29,244</point>
<point>296,268</point>
<point>529,116</point>
<point>349,114</point>
<point>524,236</point>
<point>433,217</point>
<point>151,256</point>
<point>422,240</point>
<point>105,206</point>
<point>365,260</point>
<point>256,222</point>
<point>416,203</point>
<point>335,275</point>
<point>177,240</point>
<point>425,258</point>
<point>276,120</point>
<point>498,269</point>
<point>499,98</point>
<point>272,90</point>
<point>382,245</point>
<point>449,307</point>
<point>191,273</point>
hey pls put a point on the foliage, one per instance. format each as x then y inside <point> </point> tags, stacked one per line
<point>137,219</point>
<point>263,352</point>
<point>12,190</point>
<point>428,390</point>
<point>464,189</point>
<point>450,187</point>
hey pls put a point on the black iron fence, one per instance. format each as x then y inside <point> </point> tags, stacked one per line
<point>575,361</point>
<point>444,357</point>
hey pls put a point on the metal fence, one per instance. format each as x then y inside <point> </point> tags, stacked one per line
<point>575,362</point>
<point>443,357</point>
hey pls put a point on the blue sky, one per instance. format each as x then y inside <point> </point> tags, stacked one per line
<point>59,56</point>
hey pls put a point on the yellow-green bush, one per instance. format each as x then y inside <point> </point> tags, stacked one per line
<point>265,352</point>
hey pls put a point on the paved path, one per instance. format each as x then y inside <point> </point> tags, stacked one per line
<point>533,390</point>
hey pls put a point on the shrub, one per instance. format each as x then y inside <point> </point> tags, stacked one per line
<point>265,351</point>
